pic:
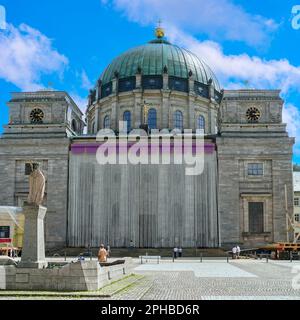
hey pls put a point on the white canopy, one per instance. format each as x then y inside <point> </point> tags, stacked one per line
<point>12,212</point>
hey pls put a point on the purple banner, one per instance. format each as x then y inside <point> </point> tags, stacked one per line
<point>91,148</point>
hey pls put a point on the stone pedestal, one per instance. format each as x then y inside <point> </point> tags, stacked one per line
<point>33,251</point>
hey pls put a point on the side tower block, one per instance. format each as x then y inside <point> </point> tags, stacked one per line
<point>255,165</point>
<point>39,131</point>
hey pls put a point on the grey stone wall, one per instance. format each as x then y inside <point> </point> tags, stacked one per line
<point>77,276</point>
<point>240,143</point>
<point>53,154</point>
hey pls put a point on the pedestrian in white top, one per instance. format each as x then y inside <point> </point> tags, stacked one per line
<point>180,252</point>
<point>175,252</point>
<point>233,252</point>
<point>238,251</point>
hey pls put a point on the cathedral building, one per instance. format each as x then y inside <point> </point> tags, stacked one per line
<point>242,197</point>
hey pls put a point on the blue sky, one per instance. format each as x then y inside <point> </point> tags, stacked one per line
<point>68,44</point>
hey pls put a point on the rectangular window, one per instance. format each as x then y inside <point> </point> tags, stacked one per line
<point>201,89</point>
<point>296,202</point>
<point>152,82</point>
<point>255,169</point>
<point>178,84</point>
<point>127,84</point>
<point>106,90</point>
<point>256,217</point>
<point>297,217</point>
<point>4,232</point>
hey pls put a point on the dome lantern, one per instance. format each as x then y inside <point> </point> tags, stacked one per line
<point>159,31</point>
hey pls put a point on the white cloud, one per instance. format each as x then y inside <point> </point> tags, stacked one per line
<point>232,70</point>
<point>80,101</point>
<point>221,19</point>
<point>85,81</point>
<point>291,116</point>
<point>235,69</point>
<point>26,55</point>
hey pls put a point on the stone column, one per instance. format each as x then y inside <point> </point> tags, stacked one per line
<point>165,81</point>
<point>138,103</point>
<point>114,122</point>
<point>138,80</point>
<point>191,111</point>
<point>165,109</point>
<point>33,251</point>
<point>212,117</point>
<point>97,127</point>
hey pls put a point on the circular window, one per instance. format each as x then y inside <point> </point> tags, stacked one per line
<point>36,116</point>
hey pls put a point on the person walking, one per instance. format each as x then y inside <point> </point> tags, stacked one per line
<point>175,252</point>
<point>180,252</point>
<point>131,245</point>
<point>238,251</point>
<point>234,253</point>
<point>102,254</point>
<point>108,251</point>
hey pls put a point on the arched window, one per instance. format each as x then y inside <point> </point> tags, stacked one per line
<point>178,120</point>
<point>106,122</point>
<point>127,118</point>
<point>152,119</point>
<point>201,123</point>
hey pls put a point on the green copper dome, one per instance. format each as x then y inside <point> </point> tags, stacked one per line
<point>153,57</point>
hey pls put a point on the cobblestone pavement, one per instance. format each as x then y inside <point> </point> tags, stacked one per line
<point>269,281</point>
<point>188,280</point>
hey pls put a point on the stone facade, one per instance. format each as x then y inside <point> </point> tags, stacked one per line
<point>296,180</point>
<point>88,204</point>
<point>46,143</point>
<point>165,102</point>
<point>241,144</point>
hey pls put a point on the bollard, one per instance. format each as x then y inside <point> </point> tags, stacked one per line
<point>201,257</point>
<point>65,255</point>
<point>291,256</point>
<point>267,259</point>
<point>108,274</point>
<point>227,259</point>
<point>91,256</point>
<point>124,272</point>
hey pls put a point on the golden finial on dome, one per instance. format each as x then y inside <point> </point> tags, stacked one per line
<point>159,31</point>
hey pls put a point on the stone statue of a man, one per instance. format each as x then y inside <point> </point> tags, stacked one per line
<point>36,186</point>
